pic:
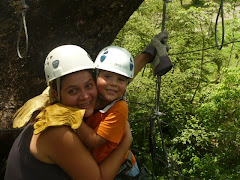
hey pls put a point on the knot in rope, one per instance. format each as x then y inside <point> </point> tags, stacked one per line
<point>220,11</point>
<point>24,9</point>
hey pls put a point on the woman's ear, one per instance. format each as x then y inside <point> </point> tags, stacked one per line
<point>53,95</point>
<point>54,92</point>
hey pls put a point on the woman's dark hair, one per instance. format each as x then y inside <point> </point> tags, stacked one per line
<point>53,84</point>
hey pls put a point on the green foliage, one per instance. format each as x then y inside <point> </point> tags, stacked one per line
<point>200,97</point>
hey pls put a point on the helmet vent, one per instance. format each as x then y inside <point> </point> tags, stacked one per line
<point>131,64</point>
<point>102,58</point>
<point>131,67</point>
<point>55,64</point>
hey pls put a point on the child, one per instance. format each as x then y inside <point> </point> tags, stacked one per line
<point>115,67</point>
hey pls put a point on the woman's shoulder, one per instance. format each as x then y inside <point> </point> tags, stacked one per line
<point>56,134</point>
<point>64,148</point>
<point>45,144</point>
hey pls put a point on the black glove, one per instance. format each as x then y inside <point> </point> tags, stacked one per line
<point>163,38</point>
<point>159,48</point>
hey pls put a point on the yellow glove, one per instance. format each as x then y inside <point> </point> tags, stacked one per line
<point>58,115</point>
<point>27,111</point>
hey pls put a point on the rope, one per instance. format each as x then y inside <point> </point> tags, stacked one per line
<point>152,124</point>
<point>212,47</point>
<point>25,7</point>
<point>220,11</point>
<point>164,14</point>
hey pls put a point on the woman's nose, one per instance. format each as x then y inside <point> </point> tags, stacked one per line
<point>83,95</point>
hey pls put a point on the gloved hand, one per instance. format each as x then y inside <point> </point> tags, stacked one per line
<point>26,112</point>
<point>58,115</point>
<point>161,63</point>
<point>163,38</point>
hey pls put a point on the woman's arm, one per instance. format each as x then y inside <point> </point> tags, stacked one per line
<point>63,147</point>
<point>117,156</point>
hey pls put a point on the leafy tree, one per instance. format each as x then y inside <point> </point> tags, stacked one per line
<point>200,97</point>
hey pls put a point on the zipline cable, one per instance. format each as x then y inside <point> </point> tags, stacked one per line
<point>164,14</point>
<point>24,7</point>
<point>223,34</point>
<point>157,113</point>
<point>159,92</point>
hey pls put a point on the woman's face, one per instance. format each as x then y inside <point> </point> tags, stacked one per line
<point>79,91</point>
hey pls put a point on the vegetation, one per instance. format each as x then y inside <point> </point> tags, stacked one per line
<point>198,136</point>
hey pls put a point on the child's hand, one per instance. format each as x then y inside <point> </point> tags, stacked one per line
<point>161,63</point>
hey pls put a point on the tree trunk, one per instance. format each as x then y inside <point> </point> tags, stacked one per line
<point>91,24</point>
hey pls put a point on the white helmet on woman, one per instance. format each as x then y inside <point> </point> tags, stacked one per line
<point>64,60</point>
<point>115,59</point>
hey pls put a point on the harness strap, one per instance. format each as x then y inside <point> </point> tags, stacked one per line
<point>127,165</point>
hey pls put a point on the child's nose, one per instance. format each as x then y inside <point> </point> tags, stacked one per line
<point>114,82</point>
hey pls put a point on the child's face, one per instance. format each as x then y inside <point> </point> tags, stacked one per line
<point>79,91</point>
<point>111,86</point>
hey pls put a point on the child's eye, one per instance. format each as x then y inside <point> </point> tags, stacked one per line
<point>122,79</point>
<point>107,76</point>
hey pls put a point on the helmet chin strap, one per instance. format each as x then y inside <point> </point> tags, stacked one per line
<point>97,73</point>
<point>58,89</point>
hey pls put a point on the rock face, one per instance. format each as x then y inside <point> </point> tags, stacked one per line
<point>89,24</point>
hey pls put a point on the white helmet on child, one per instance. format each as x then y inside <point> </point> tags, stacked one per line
<point>64,60</point>
<point>116,59</point>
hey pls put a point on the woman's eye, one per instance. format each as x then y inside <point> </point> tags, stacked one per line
<point>72,91</point>
<point>89,86</point>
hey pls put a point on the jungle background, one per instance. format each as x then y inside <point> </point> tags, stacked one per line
<point>197,134</point>
<point>190,128</point>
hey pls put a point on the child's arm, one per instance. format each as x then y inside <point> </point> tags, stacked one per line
<point>140,61</point>
<point>89,137</point>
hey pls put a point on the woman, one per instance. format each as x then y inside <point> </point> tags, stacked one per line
<point>57,152</point>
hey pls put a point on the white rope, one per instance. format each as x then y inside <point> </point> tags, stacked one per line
<point>23,25</point>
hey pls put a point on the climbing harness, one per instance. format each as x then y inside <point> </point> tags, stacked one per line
<point>24,9</point>
<point>220,11</point>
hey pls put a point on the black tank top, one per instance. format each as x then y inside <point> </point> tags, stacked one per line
<point>22,165</point>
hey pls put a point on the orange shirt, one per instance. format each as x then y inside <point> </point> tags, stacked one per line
<point>111,126</point>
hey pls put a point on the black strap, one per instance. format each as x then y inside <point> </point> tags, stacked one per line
<point>126,166</point>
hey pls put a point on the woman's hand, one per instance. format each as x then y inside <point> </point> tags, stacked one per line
<point>111,165</point>
<point>127,137</point>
